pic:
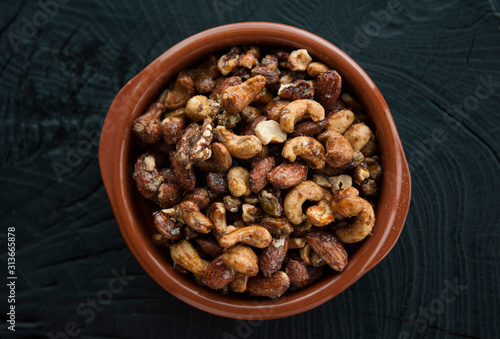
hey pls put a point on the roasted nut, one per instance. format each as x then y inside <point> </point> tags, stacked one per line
<point>255,236</point>
<point>272,287</point>
<point>217,184</point>
<point>171,129</point>
<point>250,58</point>
<point>249,114</point>
<point>322,213</point>
<point>328,87</point>
<point>360,174</point>
<point>169,194</point>
<point>264,153</point>
<point>161,240</point>
<point>375,170</point>
<point>228,120</point>
<point>258,175</point>
<point>269,131</point>
<point>339,121</point>
<point>235,98</point>
<point>370,148</point>
<point>316,260</point>
<point>346,202</point>
<point>338,149</point>
<point>299,89</point>
<point>178,113</point>
<point>147,126</point>
<point>287,175</point>
<point>238,180</point>
<point>358,135</point>
<point>340,181</point>
<point>190,213</point>
<point>294,243</point>
<point>241,258</point>
<point>316,68</point>
<point>369,188</point>
<point>278,227</point>
<point>308,128</point>
<point>147,177</point>
<point>309,149</point>
<point>351,102</point>
<point>239,283</point>
<point>294,199</point>
<point>166,225</point>
<point>297,272</point>
<point>274,108</point>
<point>217,213</point>
<point>184,254</point>
<point>188,233</point>
<point>217,93</point>
<point>328,248</point>
<point>218,275</point>
<point>250,213</point>
<point>305,254</point>
<point>298,110</point>
<point>179,95</point>
<point>322,181</point>
<point>271,75</point>
<point>361,226</point>
<point>199,107</point>
<point>249,129</point>
<point>200,197</point>
<point>210,246</point>
<point>228,62</point>
<point>271,258</point>
<point>241,147</point>
<point>219,161</point>
<point>232,203</point>
<point>205,75</point>
<point>270,201</point>
<point>298,60</point>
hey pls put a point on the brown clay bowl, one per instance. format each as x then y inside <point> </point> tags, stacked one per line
<point>117,154</point>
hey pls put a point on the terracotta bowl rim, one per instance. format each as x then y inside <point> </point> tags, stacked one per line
<point>395,191</point>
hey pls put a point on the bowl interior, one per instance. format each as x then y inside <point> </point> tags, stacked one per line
<point>118,153</point>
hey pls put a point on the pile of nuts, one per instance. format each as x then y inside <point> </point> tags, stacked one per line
<point>264,169</point>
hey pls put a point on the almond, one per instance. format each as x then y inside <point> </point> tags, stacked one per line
<point>328,87</point>
<point>272,287</point>
<point>287,175</point>
<point>271,258</point>
<point>258,175</point>
<point>328,248</point>
<point>297,272</point>
<point>218,275</point>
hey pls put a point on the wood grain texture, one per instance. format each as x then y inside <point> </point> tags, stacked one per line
<point>436,63</point>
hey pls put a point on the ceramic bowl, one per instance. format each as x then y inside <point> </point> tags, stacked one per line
<point>117,154</point>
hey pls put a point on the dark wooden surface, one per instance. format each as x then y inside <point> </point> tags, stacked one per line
<point>436,62</point>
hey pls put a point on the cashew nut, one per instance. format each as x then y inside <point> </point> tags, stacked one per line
<point>338,149</point>
<point>199,107</point>
<point>219,161</point>
<point>316,68</point>
<point>238,181</point>
<point>241,258</point>
<point>322,213</point>
<point>269,131</point>
<point>256,236</point>
<point>241,147</point>
<point>239,283</point>
<point>191,215</point>
<point>339,121</point>
<point>235,98</point>
<point>298,110</point>
<point>217,213</point>
<point>294,243</point>
<point>184,254</point>
<point>306,190</point>
<point>358,135</point>
<point>361,226</point>
<point>346,202</point>
<point>309,149</point>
